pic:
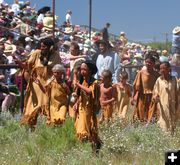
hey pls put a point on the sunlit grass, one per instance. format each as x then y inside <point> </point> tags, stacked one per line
<point>123,143</point>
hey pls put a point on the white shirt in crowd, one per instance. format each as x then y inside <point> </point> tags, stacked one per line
<point>40,18</point>
<point>109,61</point>
<point>68,18</point>
<point>15,8</point>
<point>2,2</point>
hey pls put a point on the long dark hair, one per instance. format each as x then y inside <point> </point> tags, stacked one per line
<point>44,58</point>
<point>92,70</point>
<point>166,63</point>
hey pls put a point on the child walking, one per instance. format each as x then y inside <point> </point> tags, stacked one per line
<point>87,100</point>
<point>143,88</point>
<point>124,93</point>
<point>165,93</point>
<point>107,96</point>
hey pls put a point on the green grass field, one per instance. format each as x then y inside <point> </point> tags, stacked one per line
<point>123,143</point>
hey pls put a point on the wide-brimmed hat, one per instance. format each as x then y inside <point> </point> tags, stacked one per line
<point>165,52</point>
<point>101,42</point>
<point>176,30</point>
<point>79,36</point>
<point>9,49</point>
<point>138,56</point>
<point>67,43</point>
<point>28,39</point>
<point>122,33</point>
<point>68,30</point>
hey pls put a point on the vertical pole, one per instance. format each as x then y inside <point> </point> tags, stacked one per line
<point>166,41</point>
<point>53,6</point>
<point>90,17</point>
<point>22,93</point>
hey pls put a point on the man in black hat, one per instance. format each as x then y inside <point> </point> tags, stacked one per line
<point>109,60</point>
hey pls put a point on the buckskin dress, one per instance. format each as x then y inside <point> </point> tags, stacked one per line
<point>143,83</point>
<point>122,100</point>
<point>58,102</point>
<point>35,100</point>
<point>168,102</point>
<point>86,121</point>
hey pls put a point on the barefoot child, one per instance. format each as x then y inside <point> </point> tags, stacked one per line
<point>124,93</point>
<point>107,96</point>
<point>57,91</point>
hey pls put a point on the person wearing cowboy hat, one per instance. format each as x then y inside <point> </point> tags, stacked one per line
<point>108,60</point>
<point>164,56</point>
<point>176,50</point>
<point>122,38</point>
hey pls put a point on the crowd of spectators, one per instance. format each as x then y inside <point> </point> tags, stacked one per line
<point>22,27</point>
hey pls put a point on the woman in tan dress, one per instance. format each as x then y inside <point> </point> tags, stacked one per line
<point>88,99</point>
<point>39,65</point>
<point>143,87</point>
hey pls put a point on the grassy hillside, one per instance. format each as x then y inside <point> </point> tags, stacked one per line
<point>123,143</point>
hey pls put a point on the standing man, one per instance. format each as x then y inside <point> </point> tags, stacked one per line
<point>176,50</point>
<point>176,40</point>
<point>68,17</point>
<point>105,33</point>
<point>109,60</point>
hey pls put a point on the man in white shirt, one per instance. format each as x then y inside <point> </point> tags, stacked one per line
<point>109,60</point>
<point>2,2</point>
<point>15,7</point>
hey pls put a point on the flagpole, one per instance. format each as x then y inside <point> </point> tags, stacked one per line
<point>53,6</point>
<point>90,18</point>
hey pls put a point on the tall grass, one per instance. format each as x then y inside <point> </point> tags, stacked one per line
<point>123,143</point>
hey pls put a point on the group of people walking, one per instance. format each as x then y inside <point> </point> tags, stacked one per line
<point>154,94</point>
<point>64,81</point>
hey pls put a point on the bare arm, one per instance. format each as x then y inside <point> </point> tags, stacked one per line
<point>87,90</point>
<point>108,101</point>
<point>71,57</point>
<point>111,100</point>
<point>134,98</point>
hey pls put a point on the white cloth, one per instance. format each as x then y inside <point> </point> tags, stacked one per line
<point>11,61</point>
<point>15,8</point>
<point>2,2</point>
<point>109,61</point>
<point>40,18</point>
<point>68,18</point>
